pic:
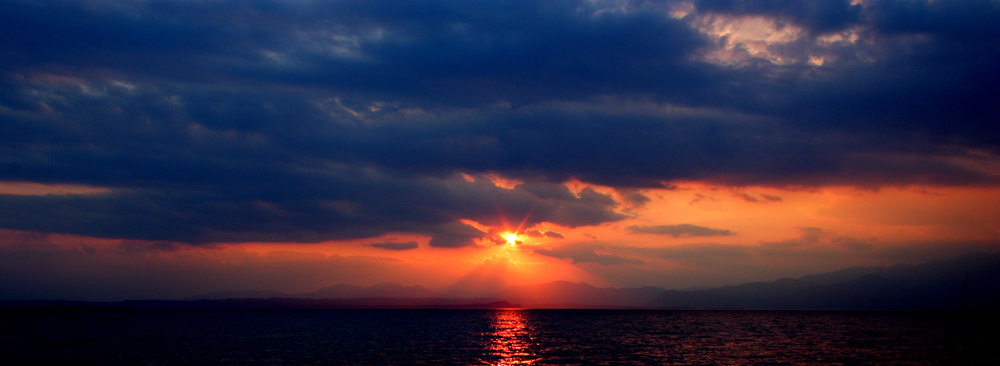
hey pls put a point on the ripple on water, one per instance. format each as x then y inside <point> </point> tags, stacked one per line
<point>494,337</point>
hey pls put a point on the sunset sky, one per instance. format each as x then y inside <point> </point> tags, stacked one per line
<point>164,149</point>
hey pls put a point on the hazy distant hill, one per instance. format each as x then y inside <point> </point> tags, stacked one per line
<point>222,295</point>
<point>562,293</point>
<point>936,285</point>
<point>930,286</point>
<point>380,290</point>
<point>377,290</point>
<point>268,303</point>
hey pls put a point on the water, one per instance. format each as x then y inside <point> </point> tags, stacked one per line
<point>493,337</point>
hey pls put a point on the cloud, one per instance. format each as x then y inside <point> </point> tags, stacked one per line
<point>305,207</point>
<point>820,16</point>
<point>677,231</point>
<point>586,253</point>
<point>396,246</point>
<point>816,239</point>
<point>633,198</point>
<point>547,234</point>
<point>533,233</point>
<point>808,236</point>
<point>454,235</point>
<point>811,245</point>
<point>755,199</point>
<point>770,197</point>
<point>855,244</point>
<point>811,241</point>
<point>696,251</point>
<point>698,197</point>
<point>553,234</point>
<point>231,121</point>
<point>413,50</point>
<point>812,235</point>
<point>134,247</point>
<point>534,120</point>
<point>747,197</point>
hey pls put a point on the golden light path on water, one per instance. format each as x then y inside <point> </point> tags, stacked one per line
<point>512,340</point>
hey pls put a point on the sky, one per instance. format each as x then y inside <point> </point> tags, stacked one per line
<point>159,149</point>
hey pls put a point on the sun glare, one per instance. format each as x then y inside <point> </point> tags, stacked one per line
<point>511,239</point>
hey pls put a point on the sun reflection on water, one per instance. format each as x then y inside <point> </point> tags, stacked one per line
<point>512,340</point>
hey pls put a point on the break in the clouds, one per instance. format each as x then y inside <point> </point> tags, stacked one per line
<point>677,231</point>
<point>229,121</point>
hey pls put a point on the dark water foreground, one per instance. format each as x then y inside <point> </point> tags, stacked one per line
<point>494,337</point>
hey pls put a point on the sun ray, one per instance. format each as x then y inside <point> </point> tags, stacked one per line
<point>521,225</point>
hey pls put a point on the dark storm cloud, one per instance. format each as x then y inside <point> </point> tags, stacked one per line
<point>351,58</point>
<point>305,208</point>
<point>601,144</point>
<point>311,121</point>
<point>189,181</point>
<point>396,246</point>
<point>423,49</point>
<point>454,235</point>
<point>586,253</point>
<point>921,76</point>
<point>682,230</point>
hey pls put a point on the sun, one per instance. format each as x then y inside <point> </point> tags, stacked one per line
<point>511,239</point>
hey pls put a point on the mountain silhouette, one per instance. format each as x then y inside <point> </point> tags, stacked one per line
<point>568,294</point>
<point>342,291</point>
<point>938,285</point>
<point>386,289</point>
<point>969,282</point>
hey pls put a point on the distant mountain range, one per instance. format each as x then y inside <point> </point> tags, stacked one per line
<point>380,290</point>
<point>939,285</point>
<point>562,294</point>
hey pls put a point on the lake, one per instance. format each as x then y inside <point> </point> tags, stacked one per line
<point>493,337</point>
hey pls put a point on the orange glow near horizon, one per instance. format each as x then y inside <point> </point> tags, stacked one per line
<point>767,233</point>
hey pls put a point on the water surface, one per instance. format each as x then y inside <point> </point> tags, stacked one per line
<point>494,337</point>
